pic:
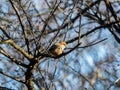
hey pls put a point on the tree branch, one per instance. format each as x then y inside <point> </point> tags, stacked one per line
<point>12,58</point>
<point>12,43</point>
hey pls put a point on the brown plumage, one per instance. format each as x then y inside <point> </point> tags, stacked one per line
<point>57,48</point>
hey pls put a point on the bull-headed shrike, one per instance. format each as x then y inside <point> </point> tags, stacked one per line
<point>57,48</point>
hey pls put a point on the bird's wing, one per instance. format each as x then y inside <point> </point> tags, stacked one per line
<point>53,47</point>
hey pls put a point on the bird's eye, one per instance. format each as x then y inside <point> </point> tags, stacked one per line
<point>59,48</point>
<point>64,44</point>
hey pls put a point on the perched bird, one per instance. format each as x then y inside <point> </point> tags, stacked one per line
<point>57,48</point>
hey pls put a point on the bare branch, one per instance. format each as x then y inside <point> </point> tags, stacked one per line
<point>12,43</point>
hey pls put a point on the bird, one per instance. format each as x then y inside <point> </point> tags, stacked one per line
<point>57,48</point>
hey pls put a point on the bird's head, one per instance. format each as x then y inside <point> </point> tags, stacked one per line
<point>63,43</point>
